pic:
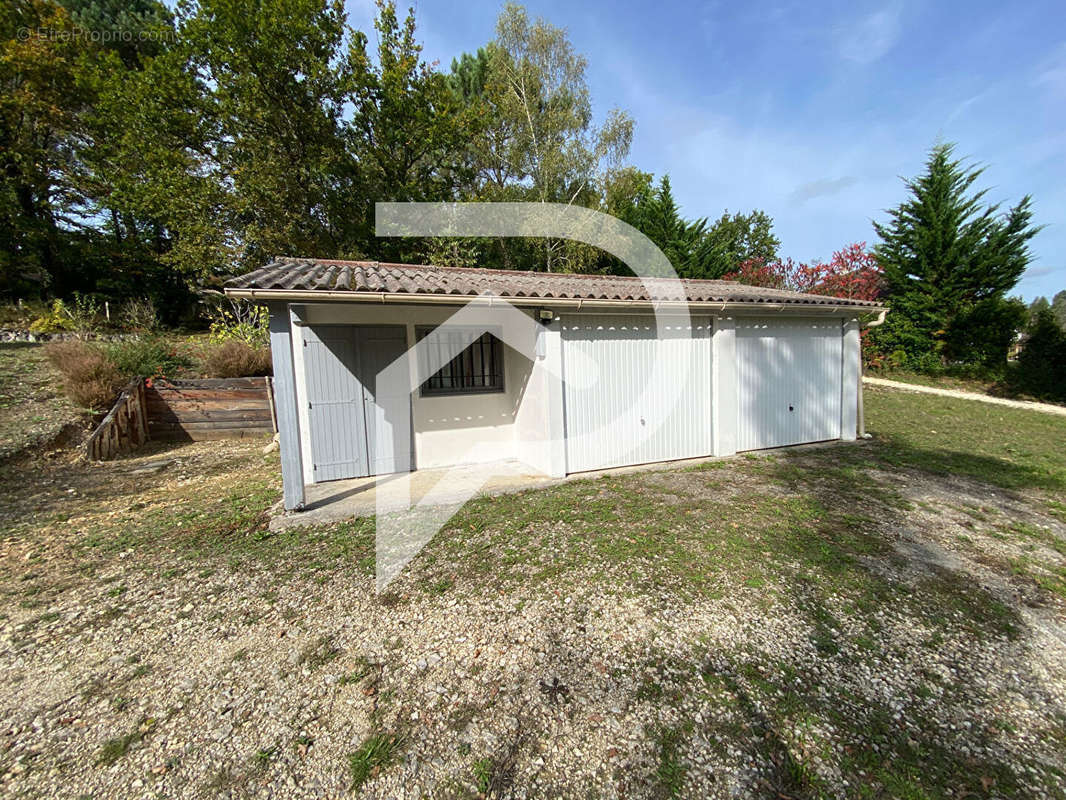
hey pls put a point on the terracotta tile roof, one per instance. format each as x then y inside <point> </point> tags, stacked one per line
<point>327,275</point>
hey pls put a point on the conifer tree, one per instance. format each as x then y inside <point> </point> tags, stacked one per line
<point>949,261</point>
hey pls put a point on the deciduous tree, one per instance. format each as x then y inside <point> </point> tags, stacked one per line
<point>542,141</point>
<point>275,73</point>
<point>41,101</point>
<point>853,272</point>
<point>736,238</point>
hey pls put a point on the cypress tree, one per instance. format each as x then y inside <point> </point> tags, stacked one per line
<point>949,261</point>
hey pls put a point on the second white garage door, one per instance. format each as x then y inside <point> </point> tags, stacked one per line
<point>613,392</point>
<point>788,382</point>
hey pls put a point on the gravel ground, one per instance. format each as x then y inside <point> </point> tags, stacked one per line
<point>142,670</point>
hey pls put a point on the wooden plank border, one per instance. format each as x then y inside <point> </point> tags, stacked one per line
<point>214,408</point>
<point>123,428</point>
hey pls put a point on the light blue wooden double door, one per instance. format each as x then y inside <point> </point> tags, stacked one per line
<point>355,430</point>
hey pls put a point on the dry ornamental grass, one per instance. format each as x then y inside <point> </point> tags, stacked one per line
<point>235,359</point>
<point>90,377</point>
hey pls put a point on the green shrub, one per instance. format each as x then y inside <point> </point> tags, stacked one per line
<point>983,331</point>
<point>1041,367</point>
<point>139,315</point>
<point>20,315</point>
<point>241,322</point>
<point>236,359</point>
<point>90,378</point>
<point>146,357</point>
<point>926,363</point>
<point>57,320</point>
<point>81,315</point>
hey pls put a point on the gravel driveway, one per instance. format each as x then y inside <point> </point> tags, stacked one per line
<point>789,626</point>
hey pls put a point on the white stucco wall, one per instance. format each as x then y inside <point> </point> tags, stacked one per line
<point>850,380</point>
<point>525,422</point>
<point>471,428</point>
<point>539,426</point>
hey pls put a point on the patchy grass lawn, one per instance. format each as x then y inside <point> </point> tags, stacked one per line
<point>883,619</point>
<point>1006,447</point>
<point>33,410</point>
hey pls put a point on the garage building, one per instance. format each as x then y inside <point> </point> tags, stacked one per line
<point>730,368</point>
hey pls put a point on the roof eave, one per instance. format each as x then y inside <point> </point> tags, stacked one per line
<point>409,298</point>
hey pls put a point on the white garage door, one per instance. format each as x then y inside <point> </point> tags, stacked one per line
<point>788,382</point>
<point>620,378</point>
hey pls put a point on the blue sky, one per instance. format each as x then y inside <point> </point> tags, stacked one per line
<point>813,110</point>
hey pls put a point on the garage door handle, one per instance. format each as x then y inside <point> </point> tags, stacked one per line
<point>790,408</point>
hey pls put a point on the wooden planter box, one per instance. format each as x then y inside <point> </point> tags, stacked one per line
<point>215,408</point>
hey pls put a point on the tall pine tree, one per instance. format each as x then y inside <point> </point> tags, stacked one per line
<point>697,248</point>
<point>656,214</point>
<point>949,261</point>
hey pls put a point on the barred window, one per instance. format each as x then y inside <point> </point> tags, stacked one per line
<point>477,369</point>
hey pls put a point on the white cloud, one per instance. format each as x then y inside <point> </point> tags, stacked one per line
<point>1052,72</point>
<point>1033,273</point>
<point>868,39</point>
<point>963,107</point>
<point>823,187</point>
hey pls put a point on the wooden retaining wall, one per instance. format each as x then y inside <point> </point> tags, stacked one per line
<point>124,428</point>
<point>215,408</point>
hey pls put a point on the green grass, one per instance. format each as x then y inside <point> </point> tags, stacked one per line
<point>960,383</point>
<point>808,531</point>
<point>803,542</point>
<point>261,758</point>
<point>375,754</point>
<point>362,668</point>
<point>693,542</point>
<point>1006,447</point>
<point>483,768</point>
<point>624,527</point>
<point>318,653</point>
<point>232,527</point>
<point>670,768</point>
<point>27,381</point>
<point>1057,509</point>
<point>116,748</point>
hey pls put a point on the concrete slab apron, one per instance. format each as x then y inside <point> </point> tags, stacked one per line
<point>359,497</point>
